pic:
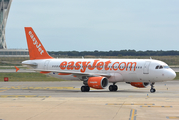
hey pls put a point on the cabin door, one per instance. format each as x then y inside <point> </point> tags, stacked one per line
<point>146,67</point>
<point>46,64</point>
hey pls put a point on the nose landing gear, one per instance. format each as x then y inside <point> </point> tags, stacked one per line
<point>152,90</point>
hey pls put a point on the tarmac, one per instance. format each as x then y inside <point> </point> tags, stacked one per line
<point>64,101</point>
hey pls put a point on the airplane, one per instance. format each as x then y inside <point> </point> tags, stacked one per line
<point>96,73</point>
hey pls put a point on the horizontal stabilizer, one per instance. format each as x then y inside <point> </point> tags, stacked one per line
<point>17,69</point>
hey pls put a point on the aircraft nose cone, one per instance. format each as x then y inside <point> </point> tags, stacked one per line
<point>169,75</point>
<point>172,75</point>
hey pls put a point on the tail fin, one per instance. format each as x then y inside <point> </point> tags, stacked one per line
<point>36,49</point>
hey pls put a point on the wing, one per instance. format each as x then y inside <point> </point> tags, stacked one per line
<point>77,74</point>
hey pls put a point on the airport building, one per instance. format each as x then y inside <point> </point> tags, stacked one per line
<point>14,53</point>
<point>4,52</point>
<point>4,11</point>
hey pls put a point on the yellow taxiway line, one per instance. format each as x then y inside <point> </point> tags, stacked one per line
<point>3,90</point>
<point>157,106</point>
<point>127,104</point>
<point>172,117</point>
<point>133,114</point>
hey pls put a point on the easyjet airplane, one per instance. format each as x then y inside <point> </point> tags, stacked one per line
<point>97,73</point>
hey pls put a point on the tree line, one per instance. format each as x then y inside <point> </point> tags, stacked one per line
<point>115,53</point>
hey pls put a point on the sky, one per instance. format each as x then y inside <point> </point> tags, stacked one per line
<point>88,25</point>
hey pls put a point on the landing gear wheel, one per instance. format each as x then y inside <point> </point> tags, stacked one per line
<point>113,88</point>
<point>82,88</point>
<point>152,90</point>
<point>85,88</point>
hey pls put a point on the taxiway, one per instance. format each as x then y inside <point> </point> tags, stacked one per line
<point>64,100</point>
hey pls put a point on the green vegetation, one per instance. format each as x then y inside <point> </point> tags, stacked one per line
<point>27,77</point>
<point>116,53</point>
<point>177,77</point>
<point>12,61</point>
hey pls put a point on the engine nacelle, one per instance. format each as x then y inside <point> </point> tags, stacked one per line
<point>139,84</point>
<point>97,82</point>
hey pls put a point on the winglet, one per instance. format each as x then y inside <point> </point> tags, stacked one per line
<point>17,69</point>
<point>36,49</point>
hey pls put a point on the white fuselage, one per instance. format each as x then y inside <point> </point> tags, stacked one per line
<point>118,70</point>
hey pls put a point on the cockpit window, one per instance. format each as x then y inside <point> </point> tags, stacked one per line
<point>157,67</point>
<point>162,67</point>
<point>166,67</point>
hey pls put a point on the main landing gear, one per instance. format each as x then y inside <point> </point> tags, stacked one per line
<point>152,90</point>
<point>85,88</point>
<point>113,87</point>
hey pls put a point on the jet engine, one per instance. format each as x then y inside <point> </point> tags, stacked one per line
<point>139,84</point>
<point>97,82</point>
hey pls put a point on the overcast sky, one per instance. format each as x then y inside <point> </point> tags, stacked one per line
<point>88,25</point>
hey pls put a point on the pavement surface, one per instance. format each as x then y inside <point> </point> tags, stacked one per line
<point>65,101</point>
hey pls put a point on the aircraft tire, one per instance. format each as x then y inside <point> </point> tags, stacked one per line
<point>152,90</point>
<point>85,88</point>
<point>111,88</point>
<point>115,87</point>
<point>82,88</point>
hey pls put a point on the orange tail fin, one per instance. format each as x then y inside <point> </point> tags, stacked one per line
<point>36,49</point>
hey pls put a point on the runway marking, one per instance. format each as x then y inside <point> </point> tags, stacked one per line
<point>157,106</point>
<point>127,104</point>
<point>133,114</point>
<point>23,96</point>
<point>172,117</point>
<point>3,90</point>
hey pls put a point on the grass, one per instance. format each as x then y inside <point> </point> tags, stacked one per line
<point>177,77</point>
<point>27,77</point>
<point>12,61</point>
